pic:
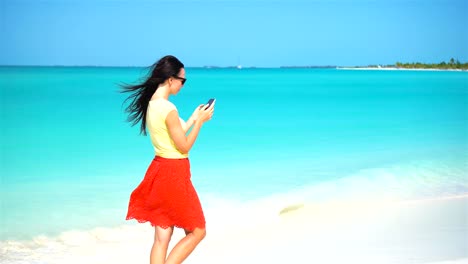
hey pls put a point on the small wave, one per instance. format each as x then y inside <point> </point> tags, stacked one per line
<point>410,181</point>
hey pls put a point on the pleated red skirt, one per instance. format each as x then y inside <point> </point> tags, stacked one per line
<point>166,196</point>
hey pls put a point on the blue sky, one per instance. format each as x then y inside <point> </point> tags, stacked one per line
<point>223,32</point>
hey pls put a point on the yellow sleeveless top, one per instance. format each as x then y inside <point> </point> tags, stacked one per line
<point>156,114</point>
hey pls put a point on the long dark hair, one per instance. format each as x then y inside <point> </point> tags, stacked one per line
<point>140,94</point>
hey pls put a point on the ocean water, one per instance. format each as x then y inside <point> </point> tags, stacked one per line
<point>69,160</point>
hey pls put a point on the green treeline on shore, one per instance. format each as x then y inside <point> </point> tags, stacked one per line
<point>451,65</point>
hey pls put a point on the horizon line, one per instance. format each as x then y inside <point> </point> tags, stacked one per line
<point>147,66</point>
<point>204,67</point>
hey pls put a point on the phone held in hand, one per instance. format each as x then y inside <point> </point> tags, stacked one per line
<point>208,104</point>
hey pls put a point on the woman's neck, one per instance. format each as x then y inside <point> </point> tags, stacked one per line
<point>161,92</point>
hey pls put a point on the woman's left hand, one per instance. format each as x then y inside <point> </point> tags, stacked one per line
<point>196,112</point>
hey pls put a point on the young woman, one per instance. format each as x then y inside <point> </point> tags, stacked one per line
<point>166,197</point>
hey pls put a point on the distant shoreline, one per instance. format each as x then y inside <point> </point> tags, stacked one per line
<point>396,69</point>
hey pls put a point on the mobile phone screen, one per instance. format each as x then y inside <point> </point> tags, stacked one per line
<point>209,103</point>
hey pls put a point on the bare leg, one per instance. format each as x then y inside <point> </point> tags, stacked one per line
<point>162,237</point>
<point>186,245</point>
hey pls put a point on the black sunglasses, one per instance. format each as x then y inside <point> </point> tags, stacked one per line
<point>182,80</point>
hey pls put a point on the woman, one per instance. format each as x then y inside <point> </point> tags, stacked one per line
<point>166,197</point>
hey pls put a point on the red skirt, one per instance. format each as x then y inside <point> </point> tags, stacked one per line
<point>166,196</point>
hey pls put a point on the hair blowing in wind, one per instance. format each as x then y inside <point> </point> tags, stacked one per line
<point>140,94</point>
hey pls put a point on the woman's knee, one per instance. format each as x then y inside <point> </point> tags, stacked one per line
<point>200,233</point>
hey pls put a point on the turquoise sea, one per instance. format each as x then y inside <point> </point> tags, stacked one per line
<point>69,160</point>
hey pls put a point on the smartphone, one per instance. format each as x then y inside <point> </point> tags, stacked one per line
<point>208,104</point>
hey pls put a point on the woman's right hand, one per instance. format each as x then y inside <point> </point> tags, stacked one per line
<point>206,114</point>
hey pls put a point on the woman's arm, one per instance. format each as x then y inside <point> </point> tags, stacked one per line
<point>182,141</point>
<point>191,121</point>
<point>188,125</point>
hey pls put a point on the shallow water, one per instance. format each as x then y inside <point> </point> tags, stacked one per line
<point>70,161</point>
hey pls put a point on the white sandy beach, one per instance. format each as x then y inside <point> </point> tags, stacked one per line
<point>424,231</point>
<point>418,231</point>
